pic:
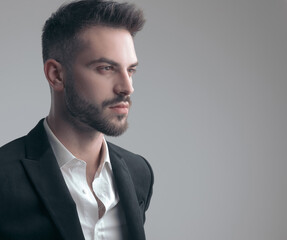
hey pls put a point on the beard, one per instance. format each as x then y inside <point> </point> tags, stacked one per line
<point>84,113</point>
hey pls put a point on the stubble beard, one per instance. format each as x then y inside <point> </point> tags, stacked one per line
<point>86,115</point>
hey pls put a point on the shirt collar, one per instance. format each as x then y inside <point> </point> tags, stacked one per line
<point>63,155</point>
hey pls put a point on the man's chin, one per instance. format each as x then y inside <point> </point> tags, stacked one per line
<point>112,127</point>
<point>115,132</point>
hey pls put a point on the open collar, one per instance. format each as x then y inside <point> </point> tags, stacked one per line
<point>44,173</point>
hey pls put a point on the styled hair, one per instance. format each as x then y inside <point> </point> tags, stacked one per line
<point>60,37</point>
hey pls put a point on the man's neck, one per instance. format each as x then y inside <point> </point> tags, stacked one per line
<point>84,145</point>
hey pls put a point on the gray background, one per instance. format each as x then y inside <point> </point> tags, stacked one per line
<point>209,110</point>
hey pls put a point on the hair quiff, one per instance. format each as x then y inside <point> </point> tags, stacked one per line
<point>60,32</point>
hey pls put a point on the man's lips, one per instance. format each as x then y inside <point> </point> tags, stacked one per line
<point>121,108</point>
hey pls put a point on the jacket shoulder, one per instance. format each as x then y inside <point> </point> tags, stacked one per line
<point>140,170</point>
<point>134,161</point>
<point>13,149</point>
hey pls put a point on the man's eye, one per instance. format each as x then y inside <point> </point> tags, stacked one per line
<point>105,69</point>
<point>132,70</point>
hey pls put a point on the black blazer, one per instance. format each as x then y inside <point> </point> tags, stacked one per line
<point>35,203</point>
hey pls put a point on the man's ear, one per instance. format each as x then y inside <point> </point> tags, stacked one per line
<point>54,74</point>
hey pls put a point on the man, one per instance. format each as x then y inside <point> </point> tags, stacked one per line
<point>63,180</point>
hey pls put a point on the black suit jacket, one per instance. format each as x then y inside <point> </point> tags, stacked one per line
<point>35,203</point>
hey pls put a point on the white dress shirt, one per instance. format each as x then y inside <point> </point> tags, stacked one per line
<point>112,225</point>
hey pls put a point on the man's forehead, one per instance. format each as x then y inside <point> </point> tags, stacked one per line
<point>110,43</point>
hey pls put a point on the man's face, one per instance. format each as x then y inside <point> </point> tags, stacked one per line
<point>99,84</point>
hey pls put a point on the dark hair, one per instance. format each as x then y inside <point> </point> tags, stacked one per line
<point>60,33</point>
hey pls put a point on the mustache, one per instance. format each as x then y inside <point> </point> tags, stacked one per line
<point>116,100</point>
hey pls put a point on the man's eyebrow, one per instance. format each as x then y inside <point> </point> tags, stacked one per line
<point>134,64</point>
<point>109,61</point>
<point>103,60</point>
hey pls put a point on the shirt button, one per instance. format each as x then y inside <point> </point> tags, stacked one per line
<point>84,191</point>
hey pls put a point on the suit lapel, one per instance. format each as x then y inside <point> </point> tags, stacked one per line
<point>44,172</point>
<point>127,195</point>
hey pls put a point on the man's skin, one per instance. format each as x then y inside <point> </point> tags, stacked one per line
<point>102,71</point>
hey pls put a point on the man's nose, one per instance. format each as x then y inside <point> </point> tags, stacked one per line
<point>124,84</point>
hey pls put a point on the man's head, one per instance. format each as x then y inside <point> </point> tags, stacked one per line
<point>89,60</point>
